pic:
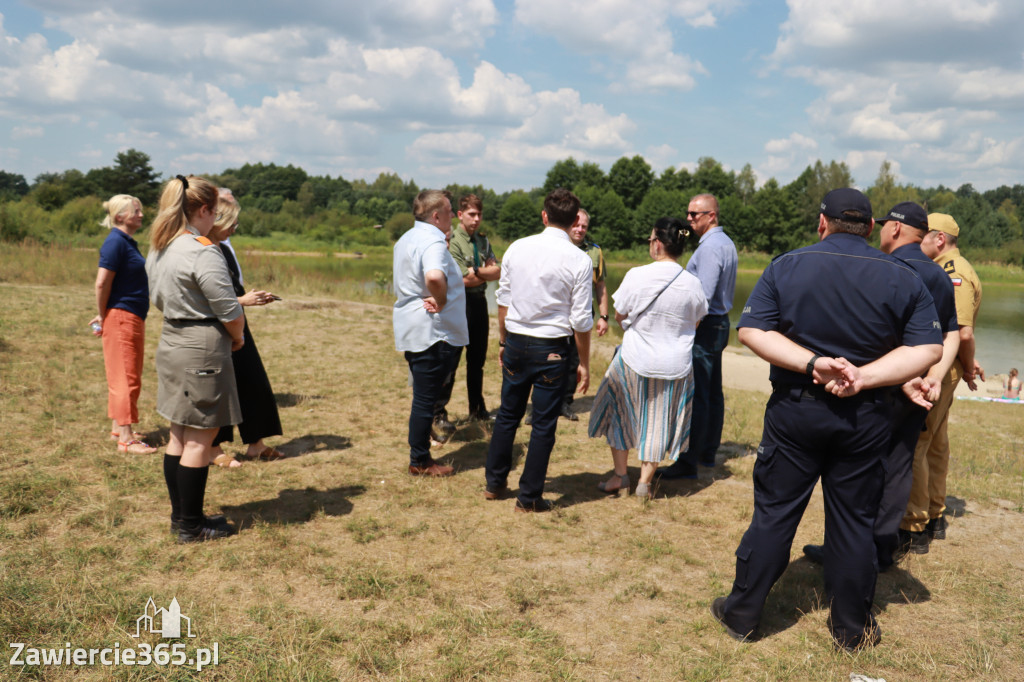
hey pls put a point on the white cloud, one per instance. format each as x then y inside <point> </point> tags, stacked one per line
<point>638,34</point>
<point>25,132</point>
<point>795,141</point>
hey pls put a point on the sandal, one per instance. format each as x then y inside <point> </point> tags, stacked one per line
<point>135,447</point>
<point>227,461</point>
<point>269,454</point>
<point>115,435</point>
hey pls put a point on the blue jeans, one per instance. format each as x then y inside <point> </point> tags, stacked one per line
<point>539,365</point>
<point>708,399</point>
<point>429,370</point>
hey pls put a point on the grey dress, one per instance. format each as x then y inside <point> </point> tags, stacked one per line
<point>190,284</point>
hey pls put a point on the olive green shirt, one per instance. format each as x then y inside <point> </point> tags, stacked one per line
<point>597,257</point>
<point>467,257</point>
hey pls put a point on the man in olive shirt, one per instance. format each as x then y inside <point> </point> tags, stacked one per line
<point>472,253</point>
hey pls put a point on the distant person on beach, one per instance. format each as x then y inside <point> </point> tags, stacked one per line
<point>544,298</point>
<point>429,318</point>
<point>190,284</point>
<point>644,400</point>
<point>840,323</point>
<point>122,299</point>
<point>714,263</point>
<point>473,254</point>
<point>1011,386</point>
<point>924,519</point>
<point>260,418</point>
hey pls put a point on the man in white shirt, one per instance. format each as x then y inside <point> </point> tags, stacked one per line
<point>544,299</point>
<point>429,318</point>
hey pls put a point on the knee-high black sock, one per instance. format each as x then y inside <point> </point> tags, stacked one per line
<point>191,492</point>
<point>171,478</point>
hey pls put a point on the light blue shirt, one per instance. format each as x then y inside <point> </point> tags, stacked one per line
<point>714,263</point>
<point>421,249</point>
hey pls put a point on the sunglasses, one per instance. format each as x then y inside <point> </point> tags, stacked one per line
<point>694,214</point>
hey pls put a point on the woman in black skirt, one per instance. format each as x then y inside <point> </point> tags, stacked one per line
<point>259,409</point>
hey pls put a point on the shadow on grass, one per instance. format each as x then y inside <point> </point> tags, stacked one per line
<point>801,590</point>
<point>294,506</point>
<point>293,399</point>
<point>473,455</point>
<point>312,442</point>
<point>956,507</point>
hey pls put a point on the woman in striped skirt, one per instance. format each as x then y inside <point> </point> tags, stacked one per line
<point>644,399</point>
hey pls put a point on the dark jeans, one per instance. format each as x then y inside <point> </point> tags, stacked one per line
<point>476,355</point>
<point>708,399</point>
<point>540,365</point>
<point>807,435</point>
<point>429,369</point>
<point>569,388</point>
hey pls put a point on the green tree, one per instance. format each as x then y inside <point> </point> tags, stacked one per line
<point>774,228</point>
<point>519,216</point>
<point>746,184</point>
<point>565,173</point>
<point>611,223</point>
<point>658,203</point>
<point>710,177</point>
<point>811,187</point>
<point>12,186</point>
<point>132,174</point>
<point>591,175</point>
<point>631,178</point>
<point>671,179</point>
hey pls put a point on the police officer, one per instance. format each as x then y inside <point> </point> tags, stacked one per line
<point>900,234</point>
<point>838,321</point>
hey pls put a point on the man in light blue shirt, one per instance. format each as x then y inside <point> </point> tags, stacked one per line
<point>714,263</point>
<point>429,318</point>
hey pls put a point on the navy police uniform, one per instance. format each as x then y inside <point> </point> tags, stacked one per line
<point>908,418</point>
<point>838,298</point>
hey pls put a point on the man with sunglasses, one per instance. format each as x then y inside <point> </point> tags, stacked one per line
<point>714,263</point>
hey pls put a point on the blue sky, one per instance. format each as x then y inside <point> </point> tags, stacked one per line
<point>478,91</point>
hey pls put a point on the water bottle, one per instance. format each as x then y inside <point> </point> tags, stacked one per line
<point>96,327</point>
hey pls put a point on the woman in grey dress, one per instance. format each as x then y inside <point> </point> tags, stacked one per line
<point>190,284</point>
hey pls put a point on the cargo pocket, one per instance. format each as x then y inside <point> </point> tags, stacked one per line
<point>742,565</point>
<point>202,386</point>
<point>764,465</point>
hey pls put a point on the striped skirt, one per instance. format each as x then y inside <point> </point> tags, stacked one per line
<point>634,411</point>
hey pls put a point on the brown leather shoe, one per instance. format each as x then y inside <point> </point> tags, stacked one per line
<point>495,493</point>
<point>432,469</point>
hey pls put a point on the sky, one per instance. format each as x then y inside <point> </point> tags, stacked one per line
<point>493,92</point>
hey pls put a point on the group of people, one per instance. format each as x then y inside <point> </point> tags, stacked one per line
<point>210,375</point>
<point>547,286</point>
<point>865,345</point>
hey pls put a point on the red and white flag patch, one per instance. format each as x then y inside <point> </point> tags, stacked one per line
<point>957,281</point>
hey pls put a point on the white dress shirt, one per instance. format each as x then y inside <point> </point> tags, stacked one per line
<point>546,284</point>
<point>421,249</point>
<point>659,335</point>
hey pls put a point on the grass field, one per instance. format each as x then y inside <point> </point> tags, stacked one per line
<point>347,568</point>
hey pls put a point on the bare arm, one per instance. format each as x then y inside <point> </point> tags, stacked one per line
<point>236,328</point>
<point>437,285</point>
<point>950,348</point>
<point>502,333</point>
<point>104,282</point>
<point>601,292</point>
<point>484,273</point>
<point>972,370</point>
<point>583,373</point>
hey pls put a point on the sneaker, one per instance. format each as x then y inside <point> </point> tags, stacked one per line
<point>204,534</point>
<point>215,521</point>
<point>937,528</point>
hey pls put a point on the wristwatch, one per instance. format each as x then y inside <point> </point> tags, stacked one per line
<point>604,317</point>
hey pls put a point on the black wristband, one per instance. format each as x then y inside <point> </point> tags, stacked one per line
<point>810,365</point>
<point>501,343</point>
<point>604,317</point>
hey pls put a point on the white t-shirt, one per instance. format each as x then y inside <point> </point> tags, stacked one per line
<point>658,341</point>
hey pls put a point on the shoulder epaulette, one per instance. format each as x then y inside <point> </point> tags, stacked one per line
<point>203,240</point>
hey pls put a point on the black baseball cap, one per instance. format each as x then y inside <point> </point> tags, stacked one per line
<point>847,203</point>
<point>908,213</point>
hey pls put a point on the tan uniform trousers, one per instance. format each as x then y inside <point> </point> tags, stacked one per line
<point>931,460</point>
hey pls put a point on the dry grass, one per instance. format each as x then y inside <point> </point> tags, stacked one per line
<point>347,568</point>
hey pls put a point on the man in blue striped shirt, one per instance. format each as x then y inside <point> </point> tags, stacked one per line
<point>714,263</point>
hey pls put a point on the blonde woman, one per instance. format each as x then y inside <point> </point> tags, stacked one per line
<point>260,418</point>
<point>190,284</point>
<point>122,298</point>
<point>1011,386</point>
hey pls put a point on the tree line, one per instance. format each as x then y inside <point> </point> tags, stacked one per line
<point>623,203</point>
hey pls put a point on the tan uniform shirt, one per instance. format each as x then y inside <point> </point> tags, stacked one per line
<point>967,296</point>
